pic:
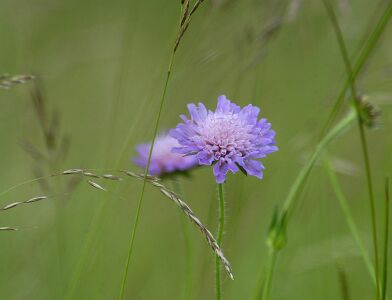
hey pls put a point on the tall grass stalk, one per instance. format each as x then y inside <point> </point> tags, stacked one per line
<point>139,206</point>
<point>386,242</point>
<point>361,127</point>
<point>183,24</point>
<point>140,202</point>
<point>221,224</point>
<point>326,138</point>
<point>349,218</point>
<point>363,56</point>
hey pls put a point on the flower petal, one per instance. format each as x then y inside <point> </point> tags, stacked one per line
<point>220,170</point>
<point>205,157</point>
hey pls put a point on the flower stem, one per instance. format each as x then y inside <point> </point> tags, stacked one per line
<point>221,224</point>
<point>270,269</point>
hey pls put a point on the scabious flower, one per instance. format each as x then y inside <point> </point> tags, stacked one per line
<point>163,160</point>
<point>231,138</point>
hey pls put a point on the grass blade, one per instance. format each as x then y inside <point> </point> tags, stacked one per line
<point>349,218</point>
<point>386,242</point>
<point>364,146</point>
<point>289,204</point>
<point>363,56</point>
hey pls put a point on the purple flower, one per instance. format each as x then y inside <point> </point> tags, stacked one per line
<point>230,138</point>
<point>163,160</point>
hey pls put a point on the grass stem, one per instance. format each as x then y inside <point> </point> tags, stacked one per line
<point>386,242</point>
<point>349,218</point>
<point>364,146</point>
<point>363,56</point>
<point>289,204</point>
<point>272,256</point>
<point>140,202</point>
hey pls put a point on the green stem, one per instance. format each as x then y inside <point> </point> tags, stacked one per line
<point>221,224</point>
<point>372,203</point>
<point>386,241</point>
<point>351,81</point>
<point>289,203</point>
<point>301,178</point>
<point>359,63</point>
<point>339,128</point>
<point>272,256</point>
<point>349,219</point>
<point>139,206</point>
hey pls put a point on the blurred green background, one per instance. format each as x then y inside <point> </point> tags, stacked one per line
<point>101,67</point>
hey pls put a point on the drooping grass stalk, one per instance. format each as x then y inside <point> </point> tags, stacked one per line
<point>7,81</point>
<point>184,21</point>
<point>188,278</point>
<point>355,98</point>
<point>221,224</point>
<point>349,218</point>
<point>363,56</point>
<point>386,242</point>
<point>278,227</point>
<point>151,180</point>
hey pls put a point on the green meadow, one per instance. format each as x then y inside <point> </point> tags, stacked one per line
<point>100,69</point>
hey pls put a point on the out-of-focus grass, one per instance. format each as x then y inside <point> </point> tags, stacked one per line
<point>77,48</point>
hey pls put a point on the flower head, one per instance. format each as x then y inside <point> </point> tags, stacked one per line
<point>231,138</point>
<point>163,160</point>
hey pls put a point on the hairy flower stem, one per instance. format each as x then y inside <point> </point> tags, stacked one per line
<point>354,94</point>
<point>139,206</point>
<point>188,244</point>
<point>221,224</point>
